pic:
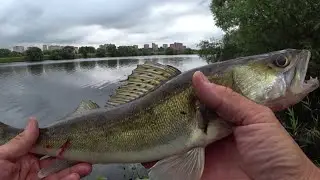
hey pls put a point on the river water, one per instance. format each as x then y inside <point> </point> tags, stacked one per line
<point>52,89</point>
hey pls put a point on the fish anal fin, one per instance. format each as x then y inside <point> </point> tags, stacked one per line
<point>56,166</point>
<point>187,166</point>
<point>143,79</point>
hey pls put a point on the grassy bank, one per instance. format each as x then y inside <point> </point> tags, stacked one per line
<point>19,59</point>
<point>12,59</point>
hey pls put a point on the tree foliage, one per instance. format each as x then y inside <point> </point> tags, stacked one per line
<point>101,52</point>
<point>254,27</point>
<point>85,50</point>
<point>5,53</point>
<point>68,52</point>
<point>55,54</point>
<point>8,53</point>
<point>34,54</point>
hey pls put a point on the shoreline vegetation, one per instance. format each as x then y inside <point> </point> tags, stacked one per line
<point>253,27</point>
<point>35,54</point>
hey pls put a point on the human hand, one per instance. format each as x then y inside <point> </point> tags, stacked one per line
<point>259,149</point>
<point>17,164</point>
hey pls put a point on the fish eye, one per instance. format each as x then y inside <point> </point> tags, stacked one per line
<point>281,61</point>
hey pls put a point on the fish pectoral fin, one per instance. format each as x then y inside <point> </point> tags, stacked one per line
<point>56,166</point>
<point>188,166</point>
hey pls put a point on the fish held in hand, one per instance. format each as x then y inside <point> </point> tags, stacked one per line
<point>156,116</point>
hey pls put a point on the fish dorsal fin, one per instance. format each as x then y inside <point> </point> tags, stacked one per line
<point>84,106</point>
<point>143,79</point>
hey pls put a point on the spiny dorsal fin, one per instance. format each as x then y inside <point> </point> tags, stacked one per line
<point>84,106</point>
<point>145,78</point>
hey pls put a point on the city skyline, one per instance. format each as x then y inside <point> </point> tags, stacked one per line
<point>154,46</point>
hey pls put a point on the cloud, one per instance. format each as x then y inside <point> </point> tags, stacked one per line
<point>95,22</point>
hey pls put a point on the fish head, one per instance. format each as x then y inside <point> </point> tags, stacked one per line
<point>291,86</point>
<point>275,79</point>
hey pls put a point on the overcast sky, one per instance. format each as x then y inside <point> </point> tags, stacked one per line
<point>94,22</point>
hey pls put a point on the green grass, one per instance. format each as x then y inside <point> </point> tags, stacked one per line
<point>12,59</point>
<point>302,123</point>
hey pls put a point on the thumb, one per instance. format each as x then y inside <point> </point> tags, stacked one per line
<point>228,104</point>
<point>22,143</point>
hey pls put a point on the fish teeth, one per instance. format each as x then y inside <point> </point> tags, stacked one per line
<point>312,79</point>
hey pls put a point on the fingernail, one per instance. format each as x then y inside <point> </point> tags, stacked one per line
<point>202,77</point>
<point>31,121</point>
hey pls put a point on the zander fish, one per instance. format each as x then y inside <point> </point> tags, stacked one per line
<point>155,115</point>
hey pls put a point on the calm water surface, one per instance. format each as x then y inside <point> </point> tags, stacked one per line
<point>50,90</point>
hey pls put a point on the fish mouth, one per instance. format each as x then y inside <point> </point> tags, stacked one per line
<point>299,84</point>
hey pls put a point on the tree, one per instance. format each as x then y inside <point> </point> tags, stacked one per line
<point>83,51</point>
<point>254,27</point>
<point>5,53</point>
<point>55,54</point>
<point>15,54</point>
<point>112,50</point>
<point>34,54</point>
<point>101,52</point>
<point>68,52</point>
<point>86,50</point>
<point>188,51</point>
<point>261,26</point>
<point>171,51</point>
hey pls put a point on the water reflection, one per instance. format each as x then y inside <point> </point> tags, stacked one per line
<point>88,64</point>
<point>6,71</point>
<point>36,69</point>
<point>70,67</point>
<point>103,63</point>
<point>112,63</point>
<point>177,62</point>
<point>55,66</point>
<point>21,70</point>
<point>73,66</point>
<point>127,62</point>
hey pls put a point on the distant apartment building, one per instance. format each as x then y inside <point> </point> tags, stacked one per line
<point>19,49</point>
<point>177,46</point>
<point>44,47</point>
<point>136,46</point>
<point>54,47</point>
<point>146,46</point>
<point>154,46</point>
<point>165,46</point>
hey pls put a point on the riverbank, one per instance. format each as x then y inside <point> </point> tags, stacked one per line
<point>19,59</point>
<point>12,59</point>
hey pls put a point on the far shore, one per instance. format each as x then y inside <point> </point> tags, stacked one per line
<point>21,59</point>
